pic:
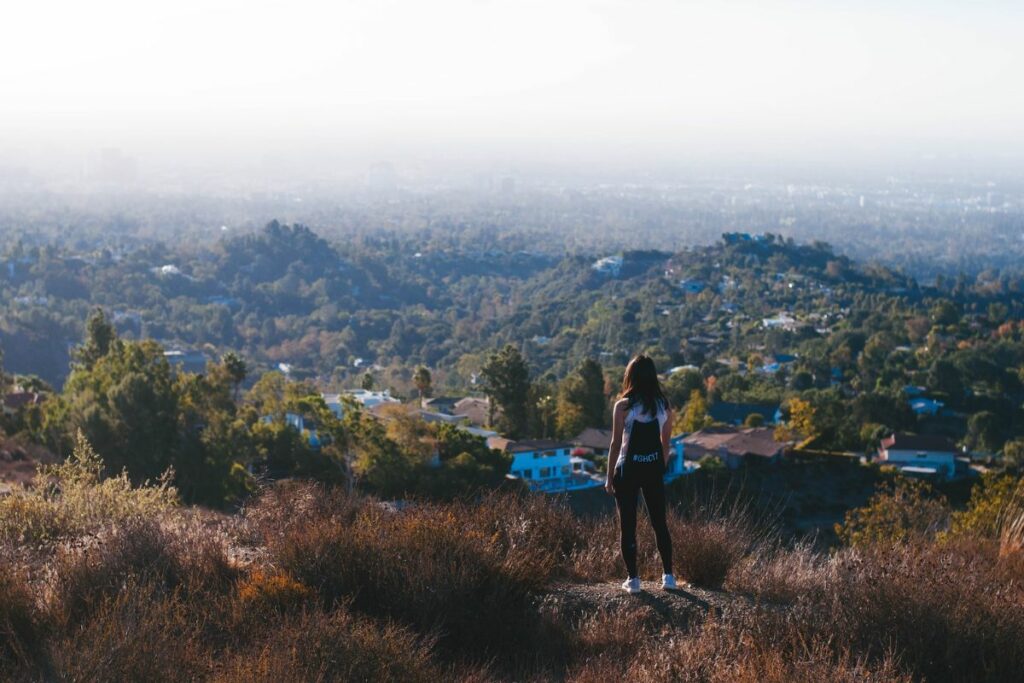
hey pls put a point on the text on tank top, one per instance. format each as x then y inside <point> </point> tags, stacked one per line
<point>642,432</point>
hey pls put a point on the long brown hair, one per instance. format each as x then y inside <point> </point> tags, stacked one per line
<point>640,383</point>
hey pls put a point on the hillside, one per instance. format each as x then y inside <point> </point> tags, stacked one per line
<point>307,583</point>
<point>285,295</point>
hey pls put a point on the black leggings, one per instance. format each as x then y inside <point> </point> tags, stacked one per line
<point>629,481</point>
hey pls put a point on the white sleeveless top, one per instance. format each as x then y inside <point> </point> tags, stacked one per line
<point>637,414</point>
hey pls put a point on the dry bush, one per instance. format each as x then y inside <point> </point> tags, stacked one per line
<point>756,648</point>
<point>280,506</point>
<point>181,561</point>
<point>331,646</point>
<point>265,593</point>
<point>780,575</point>
<point>21,629</point>
<point>706,543</point>
<point>139,633</point>
<point>708,550</point>
<point>1010,522</point>
<point>950,611</point>
<point>537,534</point>
<point>72,498</point>
<point>428,566</point>
<point>616,634</point>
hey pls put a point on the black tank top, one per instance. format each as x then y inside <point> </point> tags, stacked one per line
<point>644,437</point>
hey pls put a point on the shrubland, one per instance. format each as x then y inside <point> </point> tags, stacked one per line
<point>308,582</point>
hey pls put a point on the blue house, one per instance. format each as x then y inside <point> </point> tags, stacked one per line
<point>926,406</point>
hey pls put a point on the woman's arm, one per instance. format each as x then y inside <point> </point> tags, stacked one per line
<point>618,424</point>
<point>666,436</point>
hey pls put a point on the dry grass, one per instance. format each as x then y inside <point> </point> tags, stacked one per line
<point>433,568</point>
<point>343,588</point>
<point>142,553</point>
<point>780,575</point>
<point>951,611</point>
<point>21,633</point>
<point>757,648</point>
<point>72,498</point>
<point>332,645</point>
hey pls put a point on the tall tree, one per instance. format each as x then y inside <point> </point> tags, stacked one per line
<point>422,379</point>
<point>100,336</point>
<point>581,399</point>
<point>695,416</point>
<point>507,383</point>
<point>237,370</point>
<point>367,382</point>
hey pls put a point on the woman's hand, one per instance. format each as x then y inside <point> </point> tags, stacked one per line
<point>609,486</point>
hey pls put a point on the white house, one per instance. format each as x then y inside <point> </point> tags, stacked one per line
<point>914,454</point>
<point>926,406</point>
<point>368,399</point>
<point>783,320</point>
<point>609,265</point>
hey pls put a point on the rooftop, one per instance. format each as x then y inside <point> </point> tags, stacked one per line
<point>536,445</point>
<point>918,442</point>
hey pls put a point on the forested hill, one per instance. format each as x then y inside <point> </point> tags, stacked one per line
<point>330,310</point>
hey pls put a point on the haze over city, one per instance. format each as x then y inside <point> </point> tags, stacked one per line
<point>326,90</point>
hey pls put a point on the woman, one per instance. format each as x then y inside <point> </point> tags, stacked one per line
<point>637,459</point>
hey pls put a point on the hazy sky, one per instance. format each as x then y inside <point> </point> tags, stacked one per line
<point>521,79</point>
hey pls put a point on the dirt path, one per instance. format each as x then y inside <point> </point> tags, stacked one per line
<point>680,608</point>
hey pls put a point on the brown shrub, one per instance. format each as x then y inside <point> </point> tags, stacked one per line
<point>709,536</point>
<point>281,506</point>
<point>139,633</point>
<point>780,575</point>
<point>432,567</point>
<point>949,611</point>
<point>756,648</point>
<point>21,629</point>
<point>332,646</point>
<point>274,592</point>
<point>708,550</point>
<point>184,561</point>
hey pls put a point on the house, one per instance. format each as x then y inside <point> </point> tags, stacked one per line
<point>926,406</point>
<point>476,410</point>
<point>735,446</point>
<point>440,404</point>
<point>609,265</point>
<point>17,400</point>
<point>731,413</point>
<point>430,416</point>
<point>782,320</point>
<point>186,361</point>
<point>299,424</point>
<point>919,454</point>
<point>691,286</point>
<point>594,440</point>
<point>367,399</point>
<point>544,464</point>
<point>597,441</point>
<point>677,465</point>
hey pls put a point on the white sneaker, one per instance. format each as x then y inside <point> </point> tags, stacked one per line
<point>668,582</point>
<point>631,586</point>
